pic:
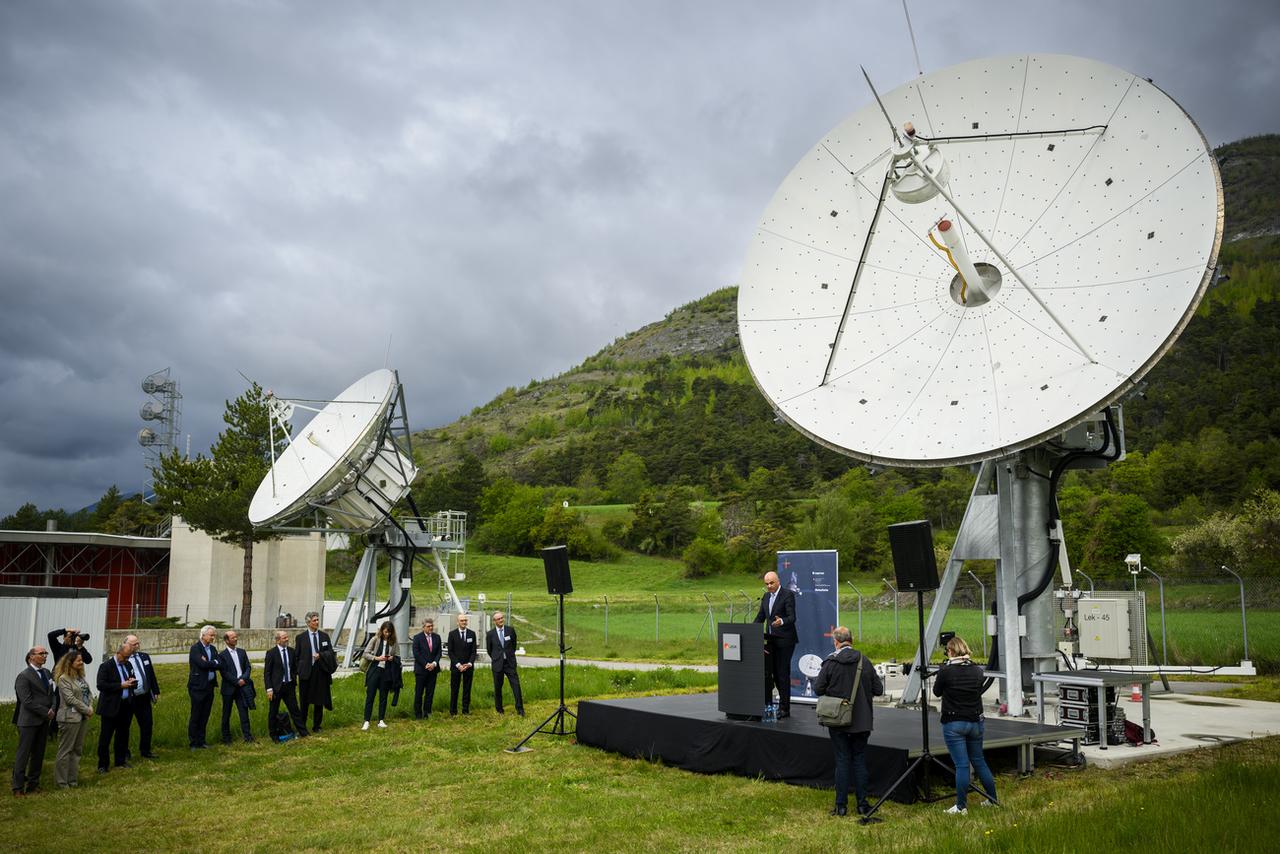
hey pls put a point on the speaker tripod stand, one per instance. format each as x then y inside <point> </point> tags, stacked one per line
<point>923,763</point>
<point>556,719</point>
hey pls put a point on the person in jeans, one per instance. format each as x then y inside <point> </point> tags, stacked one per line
<point>836,679</point>
<point>380,651</point>
<point>73,716</point>
<point>959,684</point>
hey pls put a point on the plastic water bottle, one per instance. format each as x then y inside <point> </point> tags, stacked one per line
<point>770,713</point>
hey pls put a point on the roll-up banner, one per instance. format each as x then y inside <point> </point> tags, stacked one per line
<point>813,576</point>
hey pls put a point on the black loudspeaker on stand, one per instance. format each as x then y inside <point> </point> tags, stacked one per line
<point>916,568</point>
<point>555,560</point>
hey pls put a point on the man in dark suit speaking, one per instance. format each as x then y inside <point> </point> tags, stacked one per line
<point>778,613</point>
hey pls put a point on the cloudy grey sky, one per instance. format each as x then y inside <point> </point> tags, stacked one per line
<point>489,191</point>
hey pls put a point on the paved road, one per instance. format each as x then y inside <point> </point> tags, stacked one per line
<point>525,661</point>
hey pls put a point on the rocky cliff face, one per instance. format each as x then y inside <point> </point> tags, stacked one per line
<point>1251,186</point>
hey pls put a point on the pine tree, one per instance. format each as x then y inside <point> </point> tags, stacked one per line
<point>213,493</point>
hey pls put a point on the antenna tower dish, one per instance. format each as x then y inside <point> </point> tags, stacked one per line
<point>967,269</point>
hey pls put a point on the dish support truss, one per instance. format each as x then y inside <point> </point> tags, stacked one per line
<point>1010,525</point>
<point>404,542</point>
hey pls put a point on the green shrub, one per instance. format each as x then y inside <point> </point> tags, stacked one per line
<point>704,557</point>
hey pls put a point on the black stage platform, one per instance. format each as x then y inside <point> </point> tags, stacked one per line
<point>688,731</point>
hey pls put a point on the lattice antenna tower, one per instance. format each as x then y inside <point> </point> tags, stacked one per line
<point>164,411</point>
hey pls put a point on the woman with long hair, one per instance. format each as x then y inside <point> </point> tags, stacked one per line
<point>380,651</point>
<point>959,684</point>
<point>74,711</point>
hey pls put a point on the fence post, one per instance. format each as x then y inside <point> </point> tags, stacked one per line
<point>709,621</point>
<point>744,595</point>
<point>730,601</point>
<point>896,635</point>
<point>606,621</point>
<point>233,615</point>
<point>1086,575</point>
<point>1244,624</point>
<point>186,616</point>
<point>1164,636</point>
<point>655,617</point>
<point>982,610</point>
<point>858,593</point>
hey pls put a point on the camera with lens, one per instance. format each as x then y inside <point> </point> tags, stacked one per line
<point>83,637</point>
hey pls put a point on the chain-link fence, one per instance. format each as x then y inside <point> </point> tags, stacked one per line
<point>1202,621</point>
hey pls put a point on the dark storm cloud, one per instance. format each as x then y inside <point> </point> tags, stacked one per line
<point>488,192</point>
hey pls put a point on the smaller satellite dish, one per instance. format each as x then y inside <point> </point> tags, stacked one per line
<point>147,437</point>
<point>152,411</point>
<point>344,462</point>
<point>158,382</point>
<point>810,665</point>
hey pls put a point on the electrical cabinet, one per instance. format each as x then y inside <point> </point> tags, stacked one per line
<point>1104,628</point>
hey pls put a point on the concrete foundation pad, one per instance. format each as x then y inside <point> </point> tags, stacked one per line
<point>1182,721</point>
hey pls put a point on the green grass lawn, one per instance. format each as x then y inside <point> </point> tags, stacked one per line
<point>435,785</point>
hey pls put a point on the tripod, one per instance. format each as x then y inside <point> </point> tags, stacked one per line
<point>558,716</point>
<point>926,759</point>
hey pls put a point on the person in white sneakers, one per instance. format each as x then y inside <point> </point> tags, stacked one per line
<point>959,684</point>
<point>380,652</point>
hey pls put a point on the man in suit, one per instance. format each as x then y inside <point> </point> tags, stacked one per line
<point>145,696</point>
<point>202,681</point>
<point>778,613</point>
<point>237,686</point>
<point>426,668</point>
<point>280,676</point>
<point>462,660</point>
<point>34,690</point>
<point>501,644</point>
<point>316,663</point>
<point>116,685</point>
<point>61,642</point>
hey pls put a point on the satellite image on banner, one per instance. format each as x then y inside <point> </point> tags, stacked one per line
<point>814,577</point>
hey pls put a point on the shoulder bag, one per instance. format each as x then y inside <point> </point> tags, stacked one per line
<point>838,711</point>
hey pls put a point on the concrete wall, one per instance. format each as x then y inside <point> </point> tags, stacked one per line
<point>164,641</point>
<point>205,577</point>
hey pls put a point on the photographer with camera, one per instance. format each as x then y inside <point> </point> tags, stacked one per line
<point>62,641</point>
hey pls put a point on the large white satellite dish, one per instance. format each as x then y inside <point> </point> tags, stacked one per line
<point>1091,209</point>
<point>967,268</point>
<point>343,462</point>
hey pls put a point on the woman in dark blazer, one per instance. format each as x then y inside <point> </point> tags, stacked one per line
<point>380,652</point>
<point>836,679</point>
